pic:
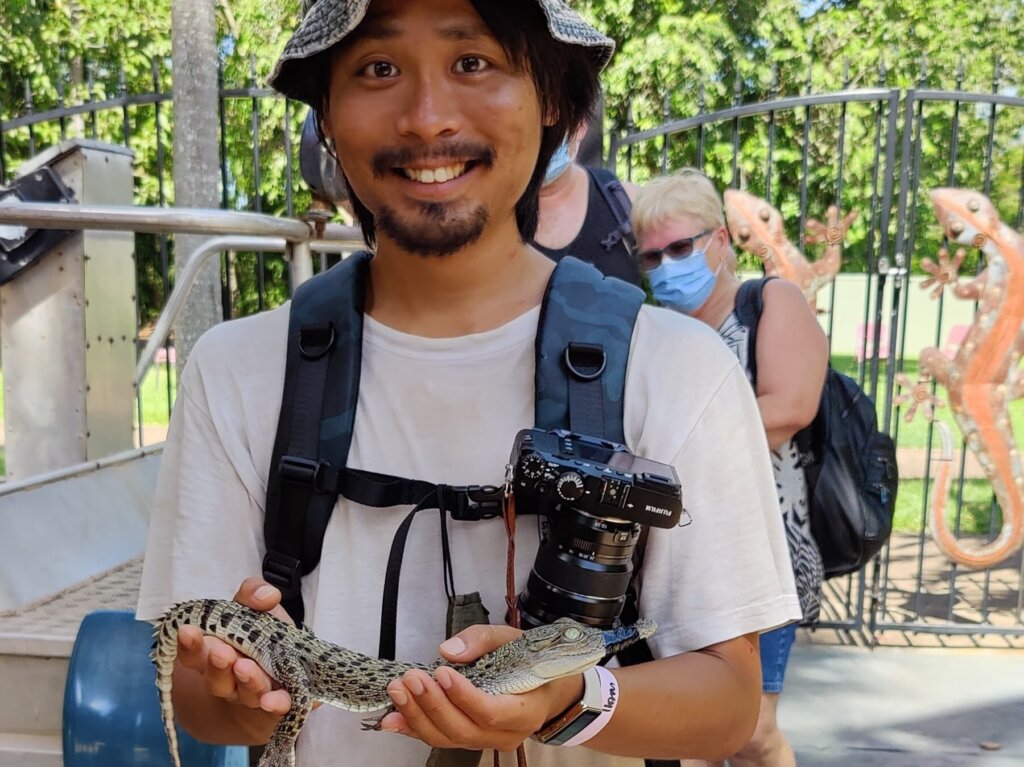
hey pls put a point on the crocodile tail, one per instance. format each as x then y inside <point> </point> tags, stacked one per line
<point>165,652</point>
<point>1011,535</point>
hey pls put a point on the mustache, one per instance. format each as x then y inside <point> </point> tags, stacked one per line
<point>387,159</point>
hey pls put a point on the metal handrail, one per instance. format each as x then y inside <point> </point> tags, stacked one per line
<point>46,215</point>
<point>237,230</point>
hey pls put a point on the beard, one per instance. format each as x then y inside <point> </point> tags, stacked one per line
<point>437,231</point>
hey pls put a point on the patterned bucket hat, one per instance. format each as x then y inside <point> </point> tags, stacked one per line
<point>327,22</point>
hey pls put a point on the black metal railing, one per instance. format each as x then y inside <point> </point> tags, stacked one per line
<point>876,149</point>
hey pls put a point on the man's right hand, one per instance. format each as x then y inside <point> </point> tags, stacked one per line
<point>229,675</point>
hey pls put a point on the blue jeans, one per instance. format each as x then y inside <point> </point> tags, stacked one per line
<point>775,647</point>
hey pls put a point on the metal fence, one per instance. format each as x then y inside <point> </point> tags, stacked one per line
<point>874,149</point>
<point>879,150</point>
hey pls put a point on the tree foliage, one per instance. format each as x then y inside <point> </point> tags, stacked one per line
<point>676,59</point>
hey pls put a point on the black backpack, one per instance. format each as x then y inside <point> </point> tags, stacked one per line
<point>583,340</point>
<point>850,465</point>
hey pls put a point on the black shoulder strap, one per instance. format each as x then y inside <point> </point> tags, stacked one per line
<point>749,305</point>
<point>618,202</point>
<point>583,338</point>
<point>325,330</point>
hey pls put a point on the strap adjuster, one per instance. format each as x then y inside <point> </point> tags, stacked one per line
<point>316,340</point>
<point>302,470</point>
<point>473,502</point>
<point>283,571</point>
<point>585,361</point>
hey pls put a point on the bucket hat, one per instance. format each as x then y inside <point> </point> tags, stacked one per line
<point>326,22</point>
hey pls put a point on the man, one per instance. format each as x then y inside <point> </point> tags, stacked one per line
<point>582,216</point>
<point>445,114</point>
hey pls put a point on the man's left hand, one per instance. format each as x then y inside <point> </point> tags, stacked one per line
<point>447,711</point>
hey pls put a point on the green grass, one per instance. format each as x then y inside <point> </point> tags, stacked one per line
<point>976,517</point>
<point>915,433</point>
<point>153,394</point>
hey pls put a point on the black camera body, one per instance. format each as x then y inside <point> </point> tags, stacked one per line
<point>595,497</point>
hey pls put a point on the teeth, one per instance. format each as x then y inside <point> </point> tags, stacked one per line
<point>436,175</point>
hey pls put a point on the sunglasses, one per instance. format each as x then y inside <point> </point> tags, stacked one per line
<point>680,249</point>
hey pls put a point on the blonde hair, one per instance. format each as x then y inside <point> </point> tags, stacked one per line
<point>687,192</point>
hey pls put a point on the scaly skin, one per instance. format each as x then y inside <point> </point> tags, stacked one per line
<point>758,228</point>
<point>312,670</point>
<point>983,378</point>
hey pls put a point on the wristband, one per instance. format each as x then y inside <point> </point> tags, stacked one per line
<point>588,716</point>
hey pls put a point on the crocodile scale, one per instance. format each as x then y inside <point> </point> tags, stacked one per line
<point>312,670</point>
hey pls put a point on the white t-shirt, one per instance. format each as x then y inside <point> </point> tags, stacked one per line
<point>447,410</point>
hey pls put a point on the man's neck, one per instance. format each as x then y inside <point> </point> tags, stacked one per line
<point>481,287</point>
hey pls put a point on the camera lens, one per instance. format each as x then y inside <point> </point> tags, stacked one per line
<point>582,570</point>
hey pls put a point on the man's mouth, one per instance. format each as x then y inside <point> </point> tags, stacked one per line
<point>436,175</point>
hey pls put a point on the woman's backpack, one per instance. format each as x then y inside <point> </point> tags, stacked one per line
<point>849,464</point>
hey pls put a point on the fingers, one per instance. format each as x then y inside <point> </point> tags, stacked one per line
<point>260,595</point>
<point>506,712</point>
<point>425,711</point>
<point>469,644</point>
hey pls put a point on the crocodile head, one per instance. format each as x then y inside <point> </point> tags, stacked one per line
<point>967,217</point>
<point>541,654</point>
<point>566,647</point>
<point>754,224</point>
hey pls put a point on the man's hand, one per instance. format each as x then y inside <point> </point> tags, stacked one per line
<point>449,712</point>
<point>228,674</point>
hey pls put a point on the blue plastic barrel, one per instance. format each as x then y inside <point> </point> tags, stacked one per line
<point>111,708</point>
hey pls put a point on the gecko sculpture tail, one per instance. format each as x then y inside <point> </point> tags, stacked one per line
<point>758,228</point>
<point>983,378</point>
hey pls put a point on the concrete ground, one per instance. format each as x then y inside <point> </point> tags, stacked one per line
<point>904,707</point>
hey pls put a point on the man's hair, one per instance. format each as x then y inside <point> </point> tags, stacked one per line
<point>687,192</point>
<point>565,76</point>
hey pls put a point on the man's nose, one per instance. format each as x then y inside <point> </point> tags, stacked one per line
<point>430,109</point>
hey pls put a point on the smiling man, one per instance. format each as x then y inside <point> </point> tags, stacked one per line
<point>443,115</point>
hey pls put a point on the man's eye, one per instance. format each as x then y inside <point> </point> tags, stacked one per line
<point>381,70</point>
<point>470,64</point>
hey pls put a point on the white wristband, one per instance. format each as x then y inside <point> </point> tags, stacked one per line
<point>609,700</point>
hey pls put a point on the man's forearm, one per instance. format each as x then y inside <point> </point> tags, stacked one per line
<point>215,720</point>
<point>698,705</point>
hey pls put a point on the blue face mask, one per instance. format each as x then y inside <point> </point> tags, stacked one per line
<point>685,284</point>
<point>559,163</point>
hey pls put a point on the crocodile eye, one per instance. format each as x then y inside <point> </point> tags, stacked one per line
<point>763,214</point>
<point>973,206</point>
<point>572,634</point>
<point>744,233</point>
<point>956,228</point>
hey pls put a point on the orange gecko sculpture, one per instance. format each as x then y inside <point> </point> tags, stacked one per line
<point>983,378</point>
<point>757,227</point>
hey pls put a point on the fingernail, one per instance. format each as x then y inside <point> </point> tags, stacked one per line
<point>443,679</point>
<point>398,696</point>
<point>218,661</point>
<point>241,676</point>
<point>187,640</point>
<point>453,646</point>
<point>415,684</point>
<point>264,592</point>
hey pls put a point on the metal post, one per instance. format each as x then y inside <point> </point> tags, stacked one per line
<point>300,263</point>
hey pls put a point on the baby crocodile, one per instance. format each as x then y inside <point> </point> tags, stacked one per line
<point>311,669</point>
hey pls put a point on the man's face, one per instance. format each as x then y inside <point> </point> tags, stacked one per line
<point>436,130</point>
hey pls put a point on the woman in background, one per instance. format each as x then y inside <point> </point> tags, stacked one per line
<point>685,250</point>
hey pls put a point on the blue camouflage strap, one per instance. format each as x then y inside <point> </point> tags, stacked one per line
<point>583,338</point>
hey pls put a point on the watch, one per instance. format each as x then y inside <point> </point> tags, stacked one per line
<point>572,721</point>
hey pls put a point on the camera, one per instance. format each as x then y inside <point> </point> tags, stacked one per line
<point>594,498</point>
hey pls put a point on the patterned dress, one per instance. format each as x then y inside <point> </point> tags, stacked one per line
<point>792,488</point>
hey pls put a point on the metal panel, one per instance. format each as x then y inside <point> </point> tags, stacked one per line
<point>110,312</point>
<point>68,328</point>
<point>61,529</point>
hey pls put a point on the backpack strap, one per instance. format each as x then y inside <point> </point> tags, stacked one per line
<point>325,329</point>
<point>583,338</point>
<point>618,202</point>
<point>748,307</point>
